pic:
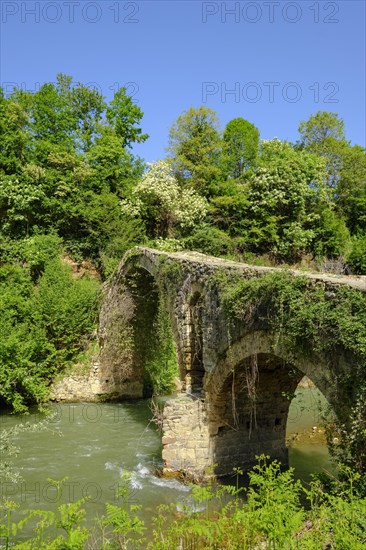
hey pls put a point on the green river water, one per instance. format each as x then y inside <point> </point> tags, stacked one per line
<point>93,444</point>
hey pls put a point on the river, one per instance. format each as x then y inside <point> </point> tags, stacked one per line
<point>93,444</point>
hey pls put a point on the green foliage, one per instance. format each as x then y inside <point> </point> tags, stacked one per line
<point>240,146</point>
<point>170,272</point>
<point>350,447</point>
<point>122,520</point>
<point>209,240</point>
<point>39,250</point>
<point>320,127</point>
<point>331,237</point>
<point>42,328</point>
<point>110,165</point>
<point>306,316</point>
<point>194,147</point>
<point>13,137</point>
<point>123,116</point>
<point>351,189</point>
<point>274,502</point>
<point>357,256</point>
<point>323,134</point>
<point>67,307</point>
<point>66,524</point>
<point>18,202</point>
<point>65,163</point>
<point>272,516</point>
<point>283,197</point>
<point>163,204</point>
<point>161,366</point>
<point>229,208</point>
<point>23,341</point>
<point>129,233</point>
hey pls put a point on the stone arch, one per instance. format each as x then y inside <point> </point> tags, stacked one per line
<point>316,366</point>
<point>249,395</point>
<point>141,284</point>
<point>185,315</point>
<point>126,329</point>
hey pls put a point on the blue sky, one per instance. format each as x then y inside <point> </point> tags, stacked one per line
<point>281,61</point>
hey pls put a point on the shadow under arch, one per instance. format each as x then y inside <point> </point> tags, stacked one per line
<point>191,345</point>
<point>249,395</point>
<point>182,306</point>
<point>140,284</point>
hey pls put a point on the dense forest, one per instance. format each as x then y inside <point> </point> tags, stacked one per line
<point>74,199</point>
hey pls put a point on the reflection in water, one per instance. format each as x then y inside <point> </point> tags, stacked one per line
<point>308,452</point>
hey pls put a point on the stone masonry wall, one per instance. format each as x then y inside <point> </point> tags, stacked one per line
<point>186,440</point>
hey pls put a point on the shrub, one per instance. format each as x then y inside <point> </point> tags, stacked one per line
<point>209,240</point>
<point>357,256</point>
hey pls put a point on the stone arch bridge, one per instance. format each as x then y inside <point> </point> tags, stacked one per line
<point>212,421</point>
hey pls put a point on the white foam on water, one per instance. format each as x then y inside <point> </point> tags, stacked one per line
<point>113,466</point>
<point>134,482</point>
<point>169,484</point>
<point>144,473</point>
<point>142,470</point>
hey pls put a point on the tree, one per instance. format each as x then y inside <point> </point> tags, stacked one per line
<point>323,134</point>
<point>351,189</point>
<point>52,120</point>
<point>194,147</point>
<point>112,165</point>
<point>320,127</point>
<point>164,204</point>
<point>241,146</point>
<point>229,208</point>
<point>123,116</point>
<point>87,106</point>
<point>61,149</point>
<point>287,200</point>
<point>13,137</point>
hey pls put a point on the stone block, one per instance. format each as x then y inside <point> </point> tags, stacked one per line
<point>168,440</point>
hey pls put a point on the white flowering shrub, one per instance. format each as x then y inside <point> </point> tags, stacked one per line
<point>164,203</point>
<point>286,196</point>
<point>167,245</point>
<point>17,200</point>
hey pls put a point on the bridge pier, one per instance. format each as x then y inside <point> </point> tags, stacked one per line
<point>247,417</point>
<point>186,438</point>
<point>197,446</point>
